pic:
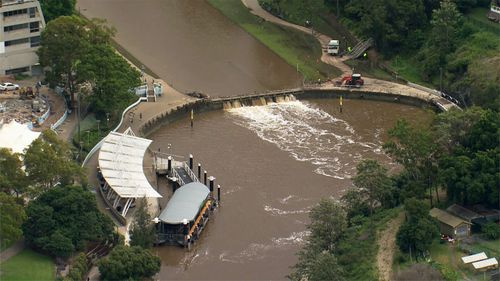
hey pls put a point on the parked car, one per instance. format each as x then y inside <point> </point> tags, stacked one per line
<point>6,86</point>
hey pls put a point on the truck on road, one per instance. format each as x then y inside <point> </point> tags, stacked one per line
<point>333,47</point>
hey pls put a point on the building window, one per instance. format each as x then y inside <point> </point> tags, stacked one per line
<point>16,42</point>
<point>15,13</point>
<point>15,27</point>
<point>35,41</point>
<point>17,70</point>
<point>32,12</point>
<point>34,26</point>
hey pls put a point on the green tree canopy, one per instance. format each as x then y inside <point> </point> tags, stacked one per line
<point>48,160</point>
<point>12,177</point>
<point>142,232</point>
<point>372,180</point>
<point>419,230</point>
<point>129,263</point>
<point>64,218</point>
<point>12,216</point>
<point>53,9</point>
<point>328,224</point>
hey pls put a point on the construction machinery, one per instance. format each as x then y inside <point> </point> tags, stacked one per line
<point>353,80</point>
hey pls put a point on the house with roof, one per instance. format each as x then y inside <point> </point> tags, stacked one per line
<point>451,225</point>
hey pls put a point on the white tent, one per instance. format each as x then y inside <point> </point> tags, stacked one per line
<point>120,161</point>
<point>474,258</point>
<point>16,136</point>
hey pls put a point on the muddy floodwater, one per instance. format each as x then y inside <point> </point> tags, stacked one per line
<point>273,163</point>
<point>193,46</point>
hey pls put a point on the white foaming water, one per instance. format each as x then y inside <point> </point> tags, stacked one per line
<point>308,134</point>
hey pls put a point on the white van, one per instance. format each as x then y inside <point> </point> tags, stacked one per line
<point>333,47</point>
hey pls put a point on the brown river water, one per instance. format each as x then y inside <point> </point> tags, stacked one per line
<point>273,162</point>
<point>191,45</point>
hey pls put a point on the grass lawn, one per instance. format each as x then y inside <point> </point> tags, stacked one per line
<point>295,47</point>
<point>366,68</point>
<point>478,17</point>
<point>29,266</point>
<point>449,257</point>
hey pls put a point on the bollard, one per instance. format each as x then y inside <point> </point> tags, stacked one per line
<point>211,179</point>
<point>169,165</point>
<point>199,171</point>
<point>205,177</point>
<point>186,231</point>
<point>191,161</point>
<point>218,193</point>
<point>192,118</point>
<point>174,183</point>
<point>340,102</point>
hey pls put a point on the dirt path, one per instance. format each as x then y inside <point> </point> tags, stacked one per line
<point>12,250</point>
<point>386,245</point>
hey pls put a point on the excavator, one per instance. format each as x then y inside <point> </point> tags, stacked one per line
<point>353,80</point>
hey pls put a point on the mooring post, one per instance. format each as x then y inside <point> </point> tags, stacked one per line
<point>218,193</point>
<point>192,117</point>
<point>186,231</point>
<point>211,179</point>
<point>205,177</point>
<point>340,102</point>
<point>174,183</point>
<point>191,161</point>
<point>169,165</point>
<point>199,171</point>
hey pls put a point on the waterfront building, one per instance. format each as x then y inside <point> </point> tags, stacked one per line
<point>21,23</point>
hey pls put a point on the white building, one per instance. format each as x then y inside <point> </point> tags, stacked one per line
<point>21,23</point>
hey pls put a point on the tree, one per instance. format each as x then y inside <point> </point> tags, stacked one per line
<point>491,231</point>
<point>391,23</point>
<point>12,177</point>
<point>12,216</point>
<point>355,204</point>
<point>64,42</point>
<point>372,180</point>
<point>129,263</point>
<point>53,9</point>
<point>143,232</point>
<point>48,160</point>
<point>419,230</point>
<point>65,214</point>
<point>416,150</point>
<point>325,267</point>
<point>328,224</point>
<point>470,169</point>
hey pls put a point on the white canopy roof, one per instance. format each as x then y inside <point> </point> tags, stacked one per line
<point>474,258</point>
<point>120,160</point>
<point>16,136</point>
<point>485,263</point>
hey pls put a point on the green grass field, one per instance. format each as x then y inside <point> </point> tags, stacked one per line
<point>295,47</point>
<point>478,17</point>
<point>29,266</point>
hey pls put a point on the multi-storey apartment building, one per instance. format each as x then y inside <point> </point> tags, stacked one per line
<point>21,23</point>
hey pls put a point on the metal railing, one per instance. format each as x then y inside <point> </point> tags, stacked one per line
<point>190,172</point>
<point>176,174</point>
<point>99,144</point>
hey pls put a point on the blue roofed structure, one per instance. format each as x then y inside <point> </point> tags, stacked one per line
<point>185,203</point>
